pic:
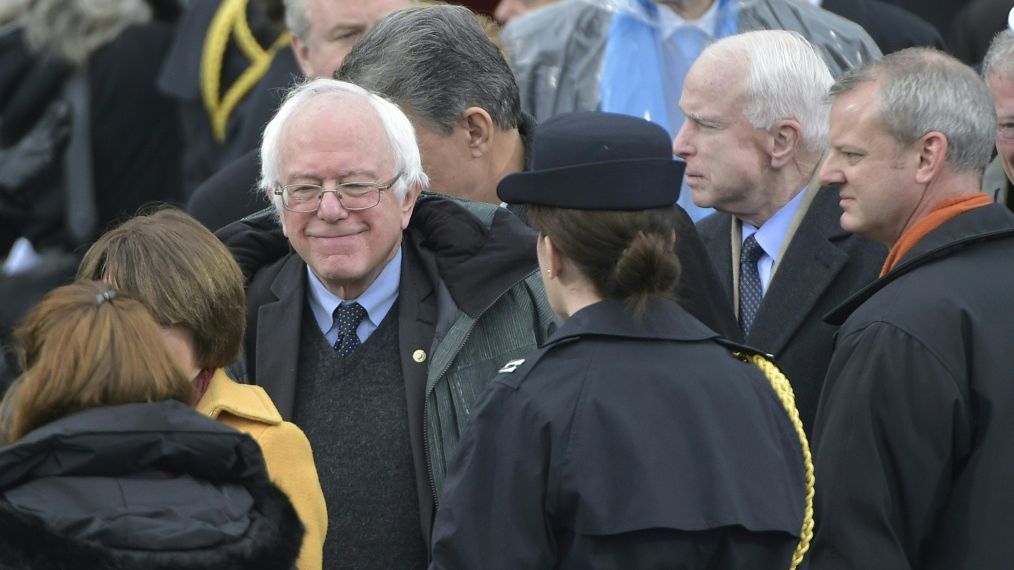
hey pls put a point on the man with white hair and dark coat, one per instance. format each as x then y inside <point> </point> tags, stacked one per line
<point>378,330</point>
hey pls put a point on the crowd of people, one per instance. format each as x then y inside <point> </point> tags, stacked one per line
<point>313,284</point>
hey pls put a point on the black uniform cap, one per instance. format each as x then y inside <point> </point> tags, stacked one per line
<point>597,161</point>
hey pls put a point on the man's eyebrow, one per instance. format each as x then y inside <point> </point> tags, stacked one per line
<point>344,26</point>
<point>364,172</point>
<point>699,118</point>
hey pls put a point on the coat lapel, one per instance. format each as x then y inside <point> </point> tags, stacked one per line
<point>278,332</point>
<point>717,242</point>
<point>809,267</point>
<point>417,315</point>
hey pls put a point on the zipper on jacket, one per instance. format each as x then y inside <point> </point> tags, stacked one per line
<point>426,397</point>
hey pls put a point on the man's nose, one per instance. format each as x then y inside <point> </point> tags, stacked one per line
<point>830,174</point>
<point>680,146</point>
<point>330,208</point>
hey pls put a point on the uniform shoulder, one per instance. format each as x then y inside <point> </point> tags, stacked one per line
<point>739,350</point>
<point>514,372</point>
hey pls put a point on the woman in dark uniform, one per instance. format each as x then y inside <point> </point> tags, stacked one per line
<point>635,438</point>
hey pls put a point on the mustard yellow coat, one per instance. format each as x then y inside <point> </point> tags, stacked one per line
<point>286,451</point>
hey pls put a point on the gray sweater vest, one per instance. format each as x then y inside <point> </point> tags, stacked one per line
<point>353,411</point>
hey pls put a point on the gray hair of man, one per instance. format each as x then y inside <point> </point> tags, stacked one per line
<point>1000,55</point>
<point>297,18</point>
<point>399,131</point>
<point>786,79</point>
<point>924,90</point>
<point>73,31</point>
<point>436,62</point>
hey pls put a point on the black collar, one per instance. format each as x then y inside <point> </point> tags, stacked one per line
<point>981,224</point>
<point>664,319</point>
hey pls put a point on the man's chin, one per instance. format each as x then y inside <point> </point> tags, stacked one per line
<point>700,198</point>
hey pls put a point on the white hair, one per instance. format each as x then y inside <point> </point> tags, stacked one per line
<point>297,18</point>
<point>399,131</point>
<point>786,79</point>
<point>1000,56</point>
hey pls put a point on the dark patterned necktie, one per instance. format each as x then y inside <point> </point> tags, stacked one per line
<point>347,316</point>
<point>750,291</point>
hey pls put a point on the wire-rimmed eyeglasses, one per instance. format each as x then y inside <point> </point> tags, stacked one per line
<point>353,196</point>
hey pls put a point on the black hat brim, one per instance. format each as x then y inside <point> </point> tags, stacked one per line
<point>634,184</point>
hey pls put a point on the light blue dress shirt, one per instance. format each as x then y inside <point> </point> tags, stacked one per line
<point>378,299</point>
<point>771,236</point>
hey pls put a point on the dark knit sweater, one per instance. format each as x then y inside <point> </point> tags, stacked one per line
<point>353,411</point>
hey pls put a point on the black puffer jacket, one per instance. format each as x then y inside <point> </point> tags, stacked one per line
<point>154,486</point>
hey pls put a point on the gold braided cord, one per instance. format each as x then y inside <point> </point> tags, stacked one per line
<point>230,21</point>
<point>783,389</point>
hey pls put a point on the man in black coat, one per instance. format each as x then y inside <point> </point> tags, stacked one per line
<point>916,422</point>
<point>775,240</point>
<point>892,27</point>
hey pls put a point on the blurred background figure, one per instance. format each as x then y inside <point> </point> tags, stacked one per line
<point>998,71</point>
<point>228,67</point>
<point>99,57</point>
<point>892,27</point>
<point>507,9</point>
<point>321,34</point>
<point>85,137</point>
<point>974,26</point>
<point>194,289</point>
<point>110,468</point>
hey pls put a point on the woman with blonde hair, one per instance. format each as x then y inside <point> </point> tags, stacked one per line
<point>110,468</point>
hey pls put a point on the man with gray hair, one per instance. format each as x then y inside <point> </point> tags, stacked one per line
<point>439,65</point>
<point>916,421</point>
<point>380,328</point>
<point>754,135</point>
<point>998,71</point>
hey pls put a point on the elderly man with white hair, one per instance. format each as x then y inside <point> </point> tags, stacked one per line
<point>755,132</point>
<point>380,328</point>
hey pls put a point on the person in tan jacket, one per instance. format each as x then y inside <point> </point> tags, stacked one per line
<point>194,288</point>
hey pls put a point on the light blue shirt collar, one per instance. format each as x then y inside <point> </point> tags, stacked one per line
<point>378,299</point>
<point>771,236</point>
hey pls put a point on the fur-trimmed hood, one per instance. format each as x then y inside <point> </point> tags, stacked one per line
<point>153,486</point>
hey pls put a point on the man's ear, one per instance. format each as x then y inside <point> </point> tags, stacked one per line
<point>932,149</point>
<point>786,140</point>
<point>302,53</point>
<point>479,126</point>
<point>408,204</point>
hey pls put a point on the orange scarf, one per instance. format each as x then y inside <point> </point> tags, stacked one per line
<point>943,212</point>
